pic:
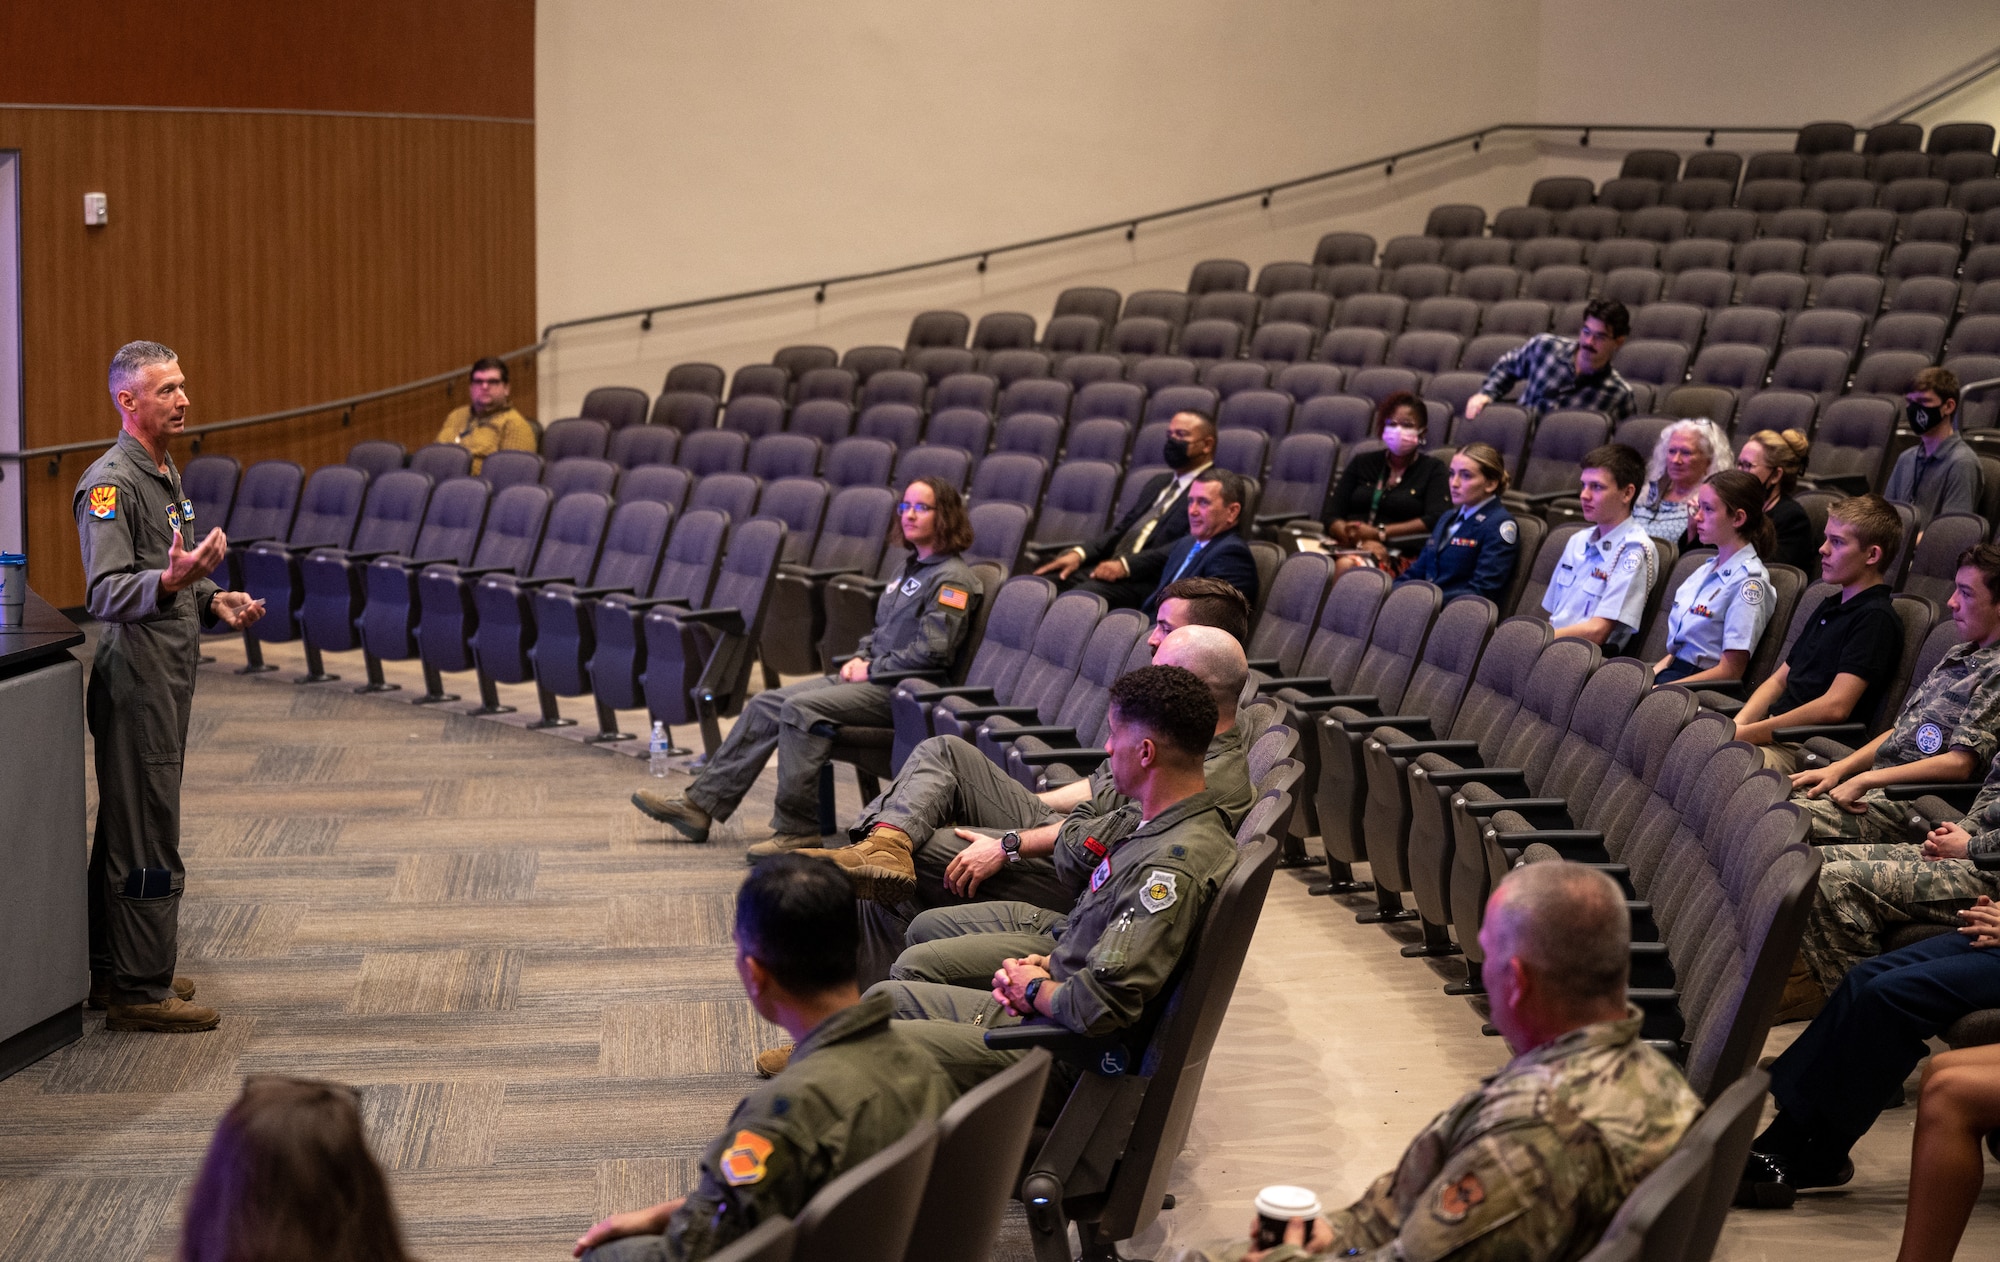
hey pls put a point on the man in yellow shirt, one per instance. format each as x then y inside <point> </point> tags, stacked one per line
<point>490,423</point>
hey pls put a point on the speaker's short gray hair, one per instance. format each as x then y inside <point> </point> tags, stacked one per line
<point>132,357</point>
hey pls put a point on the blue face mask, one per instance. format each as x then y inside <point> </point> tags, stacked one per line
<point>1924,419</point>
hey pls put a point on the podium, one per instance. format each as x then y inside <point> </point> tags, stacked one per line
<point>44,848</point>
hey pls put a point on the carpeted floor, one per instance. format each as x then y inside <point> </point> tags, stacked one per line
<point>534,994</point>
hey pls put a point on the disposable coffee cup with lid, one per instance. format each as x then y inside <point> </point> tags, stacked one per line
<point>1277,1206</point>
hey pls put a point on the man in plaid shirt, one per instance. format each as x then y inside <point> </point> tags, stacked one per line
<point>1564,372</point>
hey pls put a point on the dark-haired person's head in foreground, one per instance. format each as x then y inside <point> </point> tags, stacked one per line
<point>1201,602</point>
<point>289,1178</point>
<point>851,1086</point>
<point>796,935</point>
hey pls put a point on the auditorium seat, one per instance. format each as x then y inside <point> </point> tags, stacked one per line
<point>269,567</point>
<point>1218,274</point>
<point>859,461</point>
<point>375,457</point>
<point>999,529</point>
<point>1007,367</point>
<point>797,361</point>
<point>330,579</point>
<point>1231,377</point>
<point>982,1140</point>
<point>1038,686</point>
<point>442,461</point>
<point>760,380</point>
<point>505,629</point>
<point>937,328</point>
<point>209,483</point>
<point>1004,331</point>
<point>617,659</point>
<point>1014,619</point>
<point>386,623</point>
<point>637,445</point>
<point>580,473</point>
<point>446,617</point>
<point>1337,248</point>
<point>685,410</point>
<point>693,378</point>
<point>559,629</point>
<point>616,406</point>
<point>1078,713</point>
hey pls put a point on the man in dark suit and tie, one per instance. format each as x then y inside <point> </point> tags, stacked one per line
<point>1123,564</point>
<point>1212,548</point>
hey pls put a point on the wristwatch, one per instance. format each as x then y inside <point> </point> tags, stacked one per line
<point>1033,988</point>
<point>1010,845</point>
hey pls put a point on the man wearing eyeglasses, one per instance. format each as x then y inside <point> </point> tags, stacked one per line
<point>489,423</point>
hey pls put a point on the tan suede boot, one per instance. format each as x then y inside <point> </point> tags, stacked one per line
<point>169,1016</point>
<point>880,864</point>
<point>772,1062</point>
<point>1802,999</point>
<point>100,991</point>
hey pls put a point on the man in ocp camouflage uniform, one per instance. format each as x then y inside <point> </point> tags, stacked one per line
<point>1946,730</point>
<point>855,1085</point>
<point>1531,1164</point>
<point>1866,891</point>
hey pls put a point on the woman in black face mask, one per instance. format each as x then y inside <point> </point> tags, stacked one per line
<point>1776,460</point>
<point>1393,492</point>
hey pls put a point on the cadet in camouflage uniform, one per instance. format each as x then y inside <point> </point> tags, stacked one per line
<point>921,623</point>
<point>1144,900</point>
<point>855,1084</point>
<point>1946,730</point>
<point>1530,1165</point>
<point>152,595</point>
<point>1865,891</point>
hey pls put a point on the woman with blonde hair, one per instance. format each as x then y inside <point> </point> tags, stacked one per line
<point>1776,460</point>
<point>1686,453</point>
<point>1472,550</point>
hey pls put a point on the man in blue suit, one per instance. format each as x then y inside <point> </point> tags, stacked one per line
<point>1212,548</point>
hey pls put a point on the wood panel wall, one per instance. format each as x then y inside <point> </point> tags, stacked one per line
<point>288,258</point>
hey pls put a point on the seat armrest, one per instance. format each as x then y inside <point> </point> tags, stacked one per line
<point>1363,701</point>
<point>1078,756</point>
<point>1052,547</point>
<point>1736,688</point>
<point>1718,702</point>
<point>237,544</point>
<point>1567,840</point>
<point>1553,810</point>
<point>803,571</point>
<point>1300,683</point>
<point>1040,731</point>
<point>1265,665</point>
<point>1853,733</point>
<point>1401,722</point>
<point>971,692</point>
<point>728,619</point>
<point>1109,1056</point>
<point>1542,497</point>
<point>1000,712</point>
<point>890,678</point>
<point>1456,750</point>
<point>1491,777</point>
<point>1277,519</point>
<point>1957,793</point>
<point>873,586</point>
<point>530,584</point>
<point>653,602</point>
<point>364,558</point>
<point>481,571</point>
<point>596,593</point>
<point>1846,483</point>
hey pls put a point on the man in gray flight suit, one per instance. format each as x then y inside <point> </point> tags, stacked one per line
<point>1009,844</point>
<point>921,624</point>
<point>153,596</point>
<point>1095,970</point>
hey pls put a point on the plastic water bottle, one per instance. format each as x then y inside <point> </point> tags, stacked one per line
<point>660,747</point>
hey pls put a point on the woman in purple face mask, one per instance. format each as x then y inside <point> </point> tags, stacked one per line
<point>1391,492</point>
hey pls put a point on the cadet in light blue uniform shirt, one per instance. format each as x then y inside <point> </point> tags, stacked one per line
<point>1472,550</point>
<point>1598,591</point>
<point>1721,611</point>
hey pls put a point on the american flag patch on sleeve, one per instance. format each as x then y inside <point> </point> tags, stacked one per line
<point>954,597</point>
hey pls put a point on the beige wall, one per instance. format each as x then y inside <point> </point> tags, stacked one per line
<point>696,150</point>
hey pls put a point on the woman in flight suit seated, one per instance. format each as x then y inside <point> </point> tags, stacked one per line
<point>1390,493</point>
<point>1471,553</point>
<point>1723,607</point>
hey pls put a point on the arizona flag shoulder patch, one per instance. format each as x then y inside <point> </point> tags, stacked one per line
<point>954,597</point>
<point>743,1162</point>
<point>104,502</point>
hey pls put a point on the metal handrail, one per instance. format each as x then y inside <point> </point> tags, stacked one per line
<point>1129,224</point>
<point>58,451</point>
